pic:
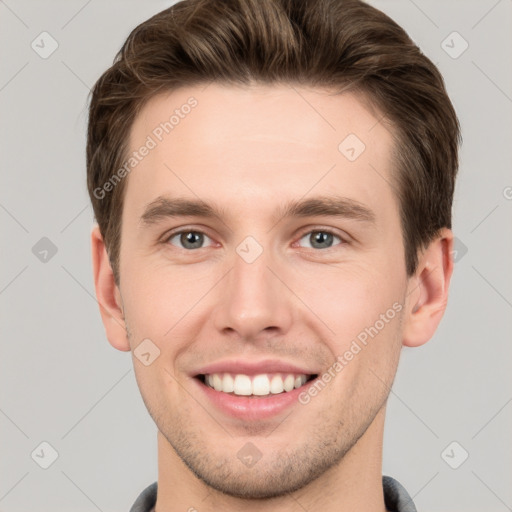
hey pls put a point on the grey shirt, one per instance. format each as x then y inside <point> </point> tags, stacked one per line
<point>396,498</point>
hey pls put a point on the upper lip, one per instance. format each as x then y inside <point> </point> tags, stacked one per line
<point>236,366</point>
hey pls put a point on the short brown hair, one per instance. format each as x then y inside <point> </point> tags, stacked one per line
<point>337,44</point>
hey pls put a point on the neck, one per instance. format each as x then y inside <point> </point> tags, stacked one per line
<point>353,484</point>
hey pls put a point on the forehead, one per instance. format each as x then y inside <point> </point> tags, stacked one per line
<point>311,117</point>
<point>226,142</point>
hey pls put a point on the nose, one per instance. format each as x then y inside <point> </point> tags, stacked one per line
<point>254,301</point>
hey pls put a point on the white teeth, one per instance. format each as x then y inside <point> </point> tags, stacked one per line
<point>276,384</point>
<point>217,382</point>
<point>228,384</point>
<point>289,383</point>
<point>259,385</point>
<point>242,385</point>
<point>300,381</point>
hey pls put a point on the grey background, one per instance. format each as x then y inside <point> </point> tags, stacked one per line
<point>62,383</point>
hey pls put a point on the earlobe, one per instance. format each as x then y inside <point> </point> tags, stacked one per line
<point>108,294</point>
<point>427,294</point>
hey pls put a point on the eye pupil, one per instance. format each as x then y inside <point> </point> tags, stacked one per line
<point>191,239</point>
<point>320,238</point>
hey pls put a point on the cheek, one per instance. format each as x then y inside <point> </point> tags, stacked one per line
<point>348,301</point>
<point>156,298</point>
<point>362,309</point>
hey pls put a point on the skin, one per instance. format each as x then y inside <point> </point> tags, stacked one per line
<point>249,150</point>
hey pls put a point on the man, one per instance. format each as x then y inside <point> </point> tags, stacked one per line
<point>272,181</point>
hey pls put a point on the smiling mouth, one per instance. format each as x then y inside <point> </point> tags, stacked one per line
<point>255,386</point>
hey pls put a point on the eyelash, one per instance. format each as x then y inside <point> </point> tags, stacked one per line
<point>173,234</point>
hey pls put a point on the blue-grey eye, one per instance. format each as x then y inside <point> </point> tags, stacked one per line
<point>189,239</point>
<point>320,239</point>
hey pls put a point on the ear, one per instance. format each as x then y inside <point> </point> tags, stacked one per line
<point>107,294</point>
<point>427,294</point>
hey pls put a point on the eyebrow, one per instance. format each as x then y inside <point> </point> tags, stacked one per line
<point>322,206</point>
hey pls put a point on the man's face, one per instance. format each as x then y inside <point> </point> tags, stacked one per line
<point>252,285</point>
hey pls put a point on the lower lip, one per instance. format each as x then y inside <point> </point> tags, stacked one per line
<point>253,409</point>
